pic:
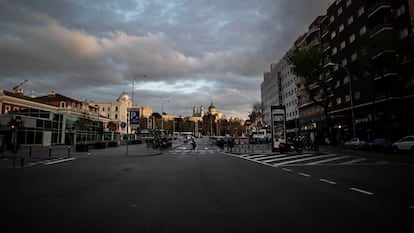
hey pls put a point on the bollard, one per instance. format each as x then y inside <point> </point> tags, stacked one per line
<point>21,162</point>
<point>50,152</point>
<point>68,151</point>
<point>30,151</point>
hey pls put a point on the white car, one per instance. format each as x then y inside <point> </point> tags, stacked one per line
<point>404,144</point>
<point>355,143</point>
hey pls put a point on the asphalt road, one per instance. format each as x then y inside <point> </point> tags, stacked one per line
<point>205,191</point>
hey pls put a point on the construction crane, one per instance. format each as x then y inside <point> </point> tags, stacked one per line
<point>19,85</point>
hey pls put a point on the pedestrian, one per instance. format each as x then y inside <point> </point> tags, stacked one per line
<point>193,143</point>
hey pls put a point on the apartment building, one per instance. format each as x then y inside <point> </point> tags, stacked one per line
<point>279,88</point>
<point>368,51</point>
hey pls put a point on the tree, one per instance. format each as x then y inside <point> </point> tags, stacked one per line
<point>307,64</point>
<point>256,115</point>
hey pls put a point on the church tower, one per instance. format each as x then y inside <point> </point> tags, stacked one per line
<point>195,111</point>
<point>201,111</point>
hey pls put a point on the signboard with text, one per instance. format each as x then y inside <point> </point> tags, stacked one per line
<point>134,117</point>
<point>278,115</point>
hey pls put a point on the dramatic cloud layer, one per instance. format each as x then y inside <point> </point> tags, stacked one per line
<point>192,52</point>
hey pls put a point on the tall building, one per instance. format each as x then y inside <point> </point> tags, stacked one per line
<point>368,51</point>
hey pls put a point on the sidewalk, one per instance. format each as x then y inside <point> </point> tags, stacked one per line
<point>27,157</point>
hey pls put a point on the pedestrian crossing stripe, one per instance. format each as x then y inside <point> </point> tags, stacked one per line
<point>276,160</point>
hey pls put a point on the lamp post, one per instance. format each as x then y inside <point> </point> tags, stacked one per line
<point>350,92</point>
<point>162,113</point>
<point>133,86</point>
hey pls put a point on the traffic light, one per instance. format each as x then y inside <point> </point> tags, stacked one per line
<point>339,126</point>
<point>12,125</point>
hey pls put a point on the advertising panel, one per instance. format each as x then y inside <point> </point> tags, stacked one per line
<point>278,115</point>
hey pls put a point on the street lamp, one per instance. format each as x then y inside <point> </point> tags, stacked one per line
<point>162,113</point>
<point>133,86</point>
<point>350,92</point>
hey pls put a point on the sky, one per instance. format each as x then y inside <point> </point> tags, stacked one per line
<point>189,52</point>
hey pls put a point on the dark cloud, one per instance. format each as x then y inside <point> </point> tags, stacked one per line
<point>193,52</point>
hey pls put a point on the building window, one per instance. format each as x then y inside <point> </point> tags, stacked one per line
<point>350,20</point>
<point>339,11</point>
<point>331,19</point>
<point>109,109</point>
<point>363,30</point>
<point>347,98</point>
<point>8,108</point>
<point>400,11</point>
<point>333,34</point>
<point>116,109</point>
<point>346,80</point>
<point>62,104</point>
<point>344,62</point>
<point>361,11</point>
<point>338,100</point>
<point>354,56</point>
<point>116,116</point>
<point>348,3</point>
<point>351,38</point>
<point>357,95</point>
<point>403,33</point>
<point>343,44</point>
<point>103,109</point>
<point>341,27</point>
<point>334,51</point>
<point>337,84</point>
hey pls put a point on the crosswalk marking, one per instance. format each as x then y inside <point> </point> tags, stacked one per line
<point>303,159</point>
<point>307,159</point>
<point>284,157</point>
<point>328,160</point>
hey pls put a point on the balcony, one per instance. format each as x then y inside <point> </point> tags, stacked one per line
<point>380,29</point>
<point>378,7</point>
<point>383,52</point>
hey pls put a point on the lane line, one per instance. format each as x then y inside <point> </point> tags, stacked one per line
<point>328,181</point>
<point>287,170</point>
<point>361,191</point>
<point>304,174</point>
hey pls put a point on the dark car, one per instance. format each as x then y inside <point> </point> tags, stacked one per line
<point>380,144</point>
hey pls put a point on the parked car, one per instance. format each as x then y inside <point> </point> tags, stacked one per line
<point>355,143</point>
<point>404,144</point>
<point>380,144</point>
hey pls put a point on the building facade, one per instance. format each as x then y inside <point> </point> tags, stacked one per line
<point>367,49</point>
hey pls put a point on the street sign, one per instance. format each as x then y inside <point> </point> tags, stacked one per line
<point>134,117</point>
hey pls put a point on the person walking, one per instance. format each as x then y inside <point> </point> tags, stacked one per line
<point>193,143</point>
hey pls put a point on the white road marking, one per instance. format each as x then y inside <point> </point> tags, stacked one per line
<point>328,160</point>
<point>304,174</point>
<point>284,157</point>
<point>258,156</point>
<point>328,181</point>
<point>353,161</point>
<point>59,161</point>
<point>361,191</point>
<point>287,169</point>
<point>301,160</point>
